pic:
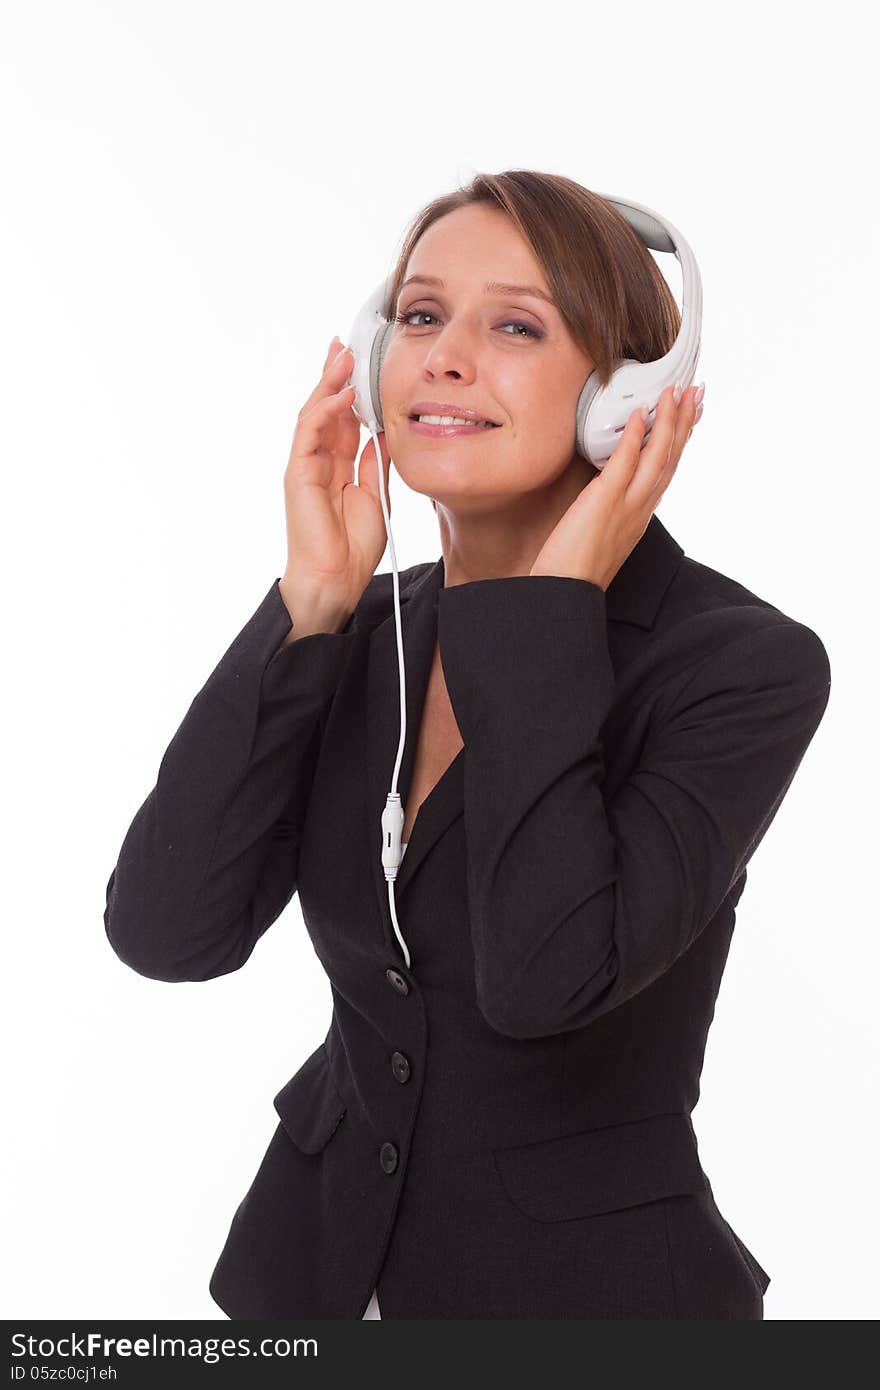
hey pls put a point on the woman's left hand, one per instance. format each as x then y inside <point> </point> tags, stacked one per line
<point>611,514</point>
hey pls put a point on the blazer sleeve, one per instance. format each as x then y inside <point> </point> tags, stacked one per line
<point>578,902</point>
<point>210,859</point>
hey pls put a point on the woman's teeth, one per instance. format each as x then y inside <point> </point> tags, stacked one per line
<point>453,420</point>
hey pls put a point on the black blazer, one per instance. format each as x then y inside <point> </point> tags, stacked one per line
<point>503,1130</point>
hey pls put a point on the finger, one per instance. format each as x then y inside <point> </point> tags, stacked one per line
<point>686,417</point>
<point>687,410</point>
<point>340,363</point>
<point>653,471</point>
<point>624,461</point>
<point>333,378</point>
<point>338,366</point>
<point>312,423</point>
<point>697,418</point>
<point>684,423</point>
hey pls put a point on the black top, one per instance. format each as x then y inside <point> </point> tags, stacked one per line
<point>503,1130</point>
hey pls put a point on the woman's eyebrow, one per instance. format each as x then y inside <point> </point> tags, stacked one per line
<point>491,287</point>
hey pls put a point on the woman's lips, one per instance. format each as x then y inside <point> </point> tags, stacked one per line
<point>448,431</point>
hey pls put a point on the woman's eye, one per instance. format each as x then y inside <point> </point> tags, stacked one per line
<point>404,321</point>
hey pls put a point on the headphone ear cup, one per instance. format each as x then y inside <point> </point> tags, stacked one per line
<point>591,386</point>
<point>368,340</point>
<point>602,411</point>
<point>380,347</point>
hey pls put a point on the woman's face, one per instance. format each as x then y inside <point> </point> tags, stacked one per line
<point>509,356</point>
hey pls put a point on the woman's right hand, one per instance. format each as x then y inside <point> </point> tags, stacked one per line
<point>335,528</point>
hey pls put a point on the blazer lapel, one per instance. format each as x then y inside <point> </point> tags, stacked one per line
<point>637,589</point>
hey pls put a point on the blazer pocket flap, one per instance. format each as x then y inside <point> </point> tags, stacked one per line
<point>602,1170</point>
<point>309,1105</point>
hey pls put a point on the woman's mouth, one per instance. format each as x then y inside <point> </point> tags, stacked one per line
<point>448,427</point>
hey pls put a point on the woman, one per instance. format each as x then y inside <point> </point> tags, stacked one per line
<point>600,731</point>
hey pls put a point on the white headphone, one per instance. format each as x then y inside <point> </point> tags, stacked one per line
<point>600,418</point>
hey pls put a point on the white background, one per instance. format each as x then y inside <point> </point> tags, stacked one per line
<point>194,197</point>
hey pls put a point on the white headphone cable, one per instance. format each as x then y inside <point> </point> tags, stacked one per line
<point>392,816</point>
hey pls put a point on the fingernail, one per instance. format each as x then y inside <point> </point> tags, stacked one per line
<point>700,392</point>
<point>699,413</point>
<point>676,395</point>
<point>339,354</point>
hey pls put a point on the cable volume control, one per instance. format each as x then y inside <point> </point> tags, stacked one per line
<point>392,834</point>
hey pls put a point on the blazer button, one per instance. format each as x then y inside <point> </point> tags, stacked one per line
<point>397,981</point>
<point>388,1157</point>
<point>400,1066</point>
